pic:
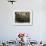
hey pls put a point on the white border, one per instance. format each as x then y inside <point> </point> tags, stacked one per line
<point>22,24</point>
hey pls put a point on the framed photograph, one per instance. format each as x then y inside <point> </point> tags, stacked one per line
<point>23,17</point>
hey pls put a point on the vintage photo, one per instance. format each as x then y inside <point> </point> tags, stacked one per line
<point>23,18</point>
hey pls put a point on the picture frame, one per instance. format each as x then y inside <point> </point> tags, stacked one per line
<point>23,18</point>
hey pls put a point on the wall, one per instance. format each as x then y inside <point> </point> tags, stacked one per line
<point>9,31</point>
